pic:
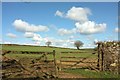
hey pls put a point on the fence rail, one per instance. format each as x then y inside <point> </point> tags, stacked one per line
<point>75,61</point>
<point>43,64</point>
<point>24,52</point>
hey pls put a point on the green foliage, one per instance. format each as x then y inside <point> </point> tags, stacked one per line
<point>78,44</point>
<point>48,43</point>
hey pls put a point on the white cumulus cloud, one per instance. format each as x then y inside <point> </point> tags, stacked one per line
<point>34,36</point>
<point>26,27</point>
<point>83,25</point>
<point>59,13</point>
<point>117,29</point>
<point>90,27</point>
<point>78,14</point>
<point>75,13</point>
<point>37,37</point>
<point>11,35</point>
<point>63,31</point>
<point>29,34</point>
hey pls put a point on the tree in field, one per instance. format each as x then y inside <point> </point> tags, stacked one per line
<point>78,44</point>
<point>48,43</point>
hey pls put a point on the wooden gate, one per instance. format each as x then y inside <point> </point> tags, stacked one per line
<point>74,60</point>
<point>43,67</point>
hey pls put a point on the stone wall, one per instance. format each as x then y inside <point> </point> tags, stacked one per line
<point>109,56</point>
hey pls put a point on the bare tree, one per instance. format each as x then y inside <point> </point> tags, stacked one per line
<point>78,44</point>
<point>48,43</point>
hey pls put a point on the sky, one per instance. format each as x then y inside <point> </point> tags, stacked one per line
<point>62,23</point>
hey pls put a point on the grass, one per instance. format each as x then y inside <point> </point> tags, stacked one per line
<point>83,52</point>
<point>18,56</point>
<point>92,74</point>
<point>41,48</point>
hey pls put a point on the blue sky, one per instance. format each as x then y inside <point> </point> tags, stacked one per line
<point>61,23</point>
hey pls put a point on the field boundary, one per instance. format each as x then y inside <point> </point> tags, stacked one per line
<point>40,65</point>
<point>109,56</point>
<point>79,62</point>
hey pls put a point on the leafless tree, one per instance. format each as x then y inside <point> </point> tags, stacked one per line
<point>78,44</point>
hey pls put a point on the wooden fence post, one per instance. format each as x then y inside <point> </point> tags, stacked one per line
<point>60,66</point>
<point>102,55</point>
<point>56,70</point>
<point>46,61</point>
<point>98,62</point>
<point>118,63</point>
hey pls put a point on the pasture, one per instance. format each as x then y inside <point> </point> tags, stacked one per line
<point>84,52</point>
<point>82,72</point>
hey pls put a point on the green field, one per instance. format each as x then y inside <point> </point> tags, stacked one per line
<point>83,53</point>
<point>41,48</point>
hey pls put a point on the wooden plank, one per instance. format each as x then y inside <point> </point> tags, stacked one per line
<point>38,64</point>
<point>76,61</point>
<point>46,61</point>
<point>56,70</point>
<point>26,52</point>
<point>93,52</point>
<point>72,57</point>
<point>119,63</point>
<point>71,52</point>
<point>102,62</point>
<point>60,66</point>
<point>98,62</point>
<point>48,67</point>
<point>43,63</point>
